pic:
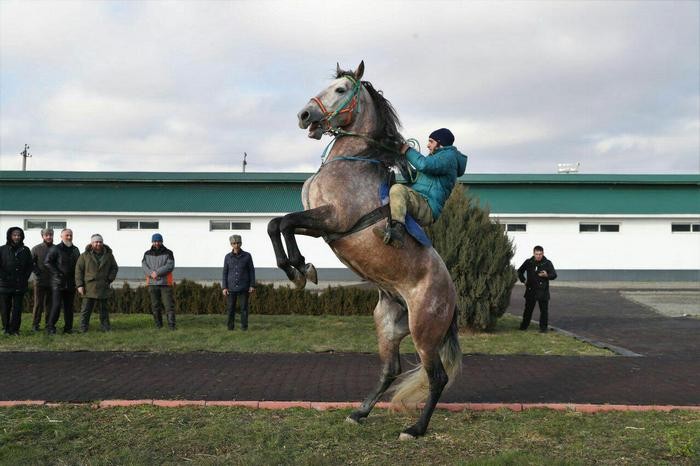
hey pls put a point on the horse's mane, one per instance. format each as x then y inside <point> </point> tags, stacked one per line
<point>388,123</point>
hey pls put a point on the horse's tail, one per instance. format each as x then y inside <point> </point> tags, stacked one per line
<point>414,386</point>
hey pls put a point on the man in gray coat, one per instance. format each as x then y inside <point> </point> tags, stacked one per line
<point>42,279</point>
<point>158,264</point>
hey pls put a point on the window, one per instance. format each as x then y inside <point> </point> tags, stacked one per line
<point>609,228</point>
<point>228,225</point>
<point>685,227</point>
<point>587,227</point>
<point>599,227</point>
<point>39,224</point>
<point>516,227</point>
<point>137,224</point>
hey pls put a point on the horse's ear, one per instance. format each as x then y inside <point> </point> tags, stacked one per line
<point>337,70</point>
<point>360,70</point>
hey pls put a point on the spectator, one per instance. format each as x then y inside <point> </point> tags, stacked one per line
<point>158,264</point>
<point>539,271</point>
<point>94,273</point>
<point>238,281</point>
<point>15,269</point>
<point>42,280</point>
<point>60,261</point>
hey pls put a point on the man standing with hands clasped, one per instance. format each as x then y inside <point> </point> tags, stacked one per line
<point>158,264</point>
<point>42,279</point>
<point>94,273</point>
<point>60,261</point>
<point>238,281</point>
<point>540,271</point>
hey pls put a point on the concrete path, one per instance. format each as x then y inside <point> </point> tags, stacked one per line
<point>668,373</point>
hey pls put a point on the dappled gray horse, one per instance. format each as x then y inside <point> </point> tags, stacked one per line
<point>342,199</point>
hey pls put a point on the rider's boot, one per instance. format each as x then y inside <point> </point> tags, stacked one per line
<point>393,235</point>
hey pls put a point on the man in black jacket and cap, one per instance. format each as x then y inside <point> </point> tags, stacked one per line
<point>540,271</point>
<point>15,269</point>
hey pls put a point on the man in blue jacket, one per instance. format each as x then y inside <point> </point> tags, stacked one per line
<point>238,281</point>
<point>424,197</point>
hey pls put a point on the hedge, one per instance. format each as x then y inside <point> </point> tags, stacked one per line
<point>193,298</point>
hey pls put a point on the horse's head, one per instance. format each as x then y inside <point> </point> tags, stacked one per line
<point>335,106</point>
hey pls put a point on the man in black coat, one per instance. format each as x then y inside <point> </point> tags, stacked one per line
<point>61,260</point>
<point>540,271</point>
<point>42,279</point>
<point>238,281</point>
<point>15,269</point>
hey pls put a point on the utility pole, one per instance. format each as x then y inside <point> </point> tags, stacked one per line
<point>245,154</point>
<point>25,155</point>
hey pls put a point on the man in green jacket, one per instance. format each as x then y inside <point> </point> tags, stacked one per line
<point>94,273</point>
<point>424,197</point>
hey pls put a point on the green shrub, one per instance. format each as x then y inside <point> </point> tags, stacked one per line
<point>193,298</point>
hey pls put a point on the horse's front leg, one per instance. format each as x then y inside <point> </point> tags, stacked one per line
<point>314,222</point>
<point>273,231</point>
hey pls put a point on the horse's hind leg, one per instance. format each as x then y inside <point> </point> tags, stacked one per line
<point>391,321</point>
<point>437,379</point>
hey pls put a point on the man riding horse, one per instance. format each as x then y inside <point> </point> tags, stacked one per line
<point>427,194</point>
<point>342,199</point>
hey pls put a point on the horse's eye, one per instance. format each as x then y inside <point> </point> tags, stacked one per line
<point>340,90</point>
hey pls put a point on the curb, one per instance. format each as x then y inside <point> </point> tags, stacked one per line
<point>324,406</point>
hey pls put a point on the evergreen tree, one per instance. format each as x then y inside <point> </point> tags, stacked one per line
<point>477,253</point>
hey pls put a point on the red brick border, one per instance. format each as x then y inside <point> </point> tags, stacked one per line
<point>322,405</point>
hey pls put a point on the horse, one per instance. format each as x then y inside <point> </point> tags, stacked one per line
<point>341,201</point>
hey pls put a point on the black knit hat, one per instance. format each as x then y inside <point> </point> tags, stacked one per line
<point>444,136</point>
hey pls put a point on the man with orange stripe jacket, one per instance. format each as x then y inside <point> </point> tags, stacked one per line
<point>158,264</point>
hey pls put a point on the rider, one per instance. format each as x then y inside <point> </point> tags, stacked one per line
<point>425,196</point>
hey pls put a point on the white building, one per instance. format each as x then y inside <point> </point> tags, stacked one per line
<point>593,227</point>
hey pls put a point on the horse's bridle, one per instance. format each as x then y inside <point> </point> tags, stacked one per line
<point>347,106</point>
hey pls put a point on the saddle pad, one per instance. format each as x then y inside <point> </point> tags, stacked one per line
<point>412,226</point>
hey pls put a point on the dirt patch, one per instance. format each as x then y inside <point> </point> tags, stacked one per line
<point>668,303</point>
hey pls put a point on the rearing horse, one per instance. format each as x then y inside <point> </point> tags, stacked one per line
<point>343,198</point>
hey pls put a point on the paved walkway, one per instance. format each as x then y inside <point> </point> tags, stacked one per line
<point>668,373</point>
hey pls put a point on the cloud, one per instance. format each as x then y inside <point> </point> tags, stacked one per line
<point>524,85</point>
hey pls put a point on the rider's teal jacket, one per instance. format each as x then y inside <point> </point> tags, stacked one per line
<point>437,175</point>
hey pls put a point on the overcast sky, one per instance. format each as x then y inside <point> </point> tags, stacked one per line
<point>191,85</point>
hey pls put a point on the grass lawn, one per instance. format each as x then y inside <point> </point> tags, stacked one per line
<point>214,435</point>
<point>278,333</point>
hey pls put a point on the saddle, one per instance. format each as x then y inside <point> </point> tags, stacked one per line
<point>413,228</point>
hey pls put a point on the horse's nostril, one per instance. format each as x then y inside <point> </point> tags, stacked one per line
<point>303,116</point>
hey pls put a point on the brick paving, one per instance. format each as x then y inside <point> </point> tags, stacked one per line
<point>668,373</point>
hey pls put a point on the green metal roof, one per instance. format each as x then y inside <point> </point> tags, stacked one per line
<point>280,192</point>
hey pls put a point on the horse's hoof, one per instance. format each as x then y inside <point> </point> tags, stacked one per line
<point>310,272</point>
<point>350,420</point>
<point>404,436</point>
<point>299,280</point>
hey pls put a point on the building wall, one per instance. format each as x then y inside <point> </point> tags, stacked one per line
<point>644,244</point>
<point>187,235</point>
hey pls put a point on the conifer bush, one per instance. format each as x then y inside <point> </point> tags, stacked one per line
<point>478,254</point>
